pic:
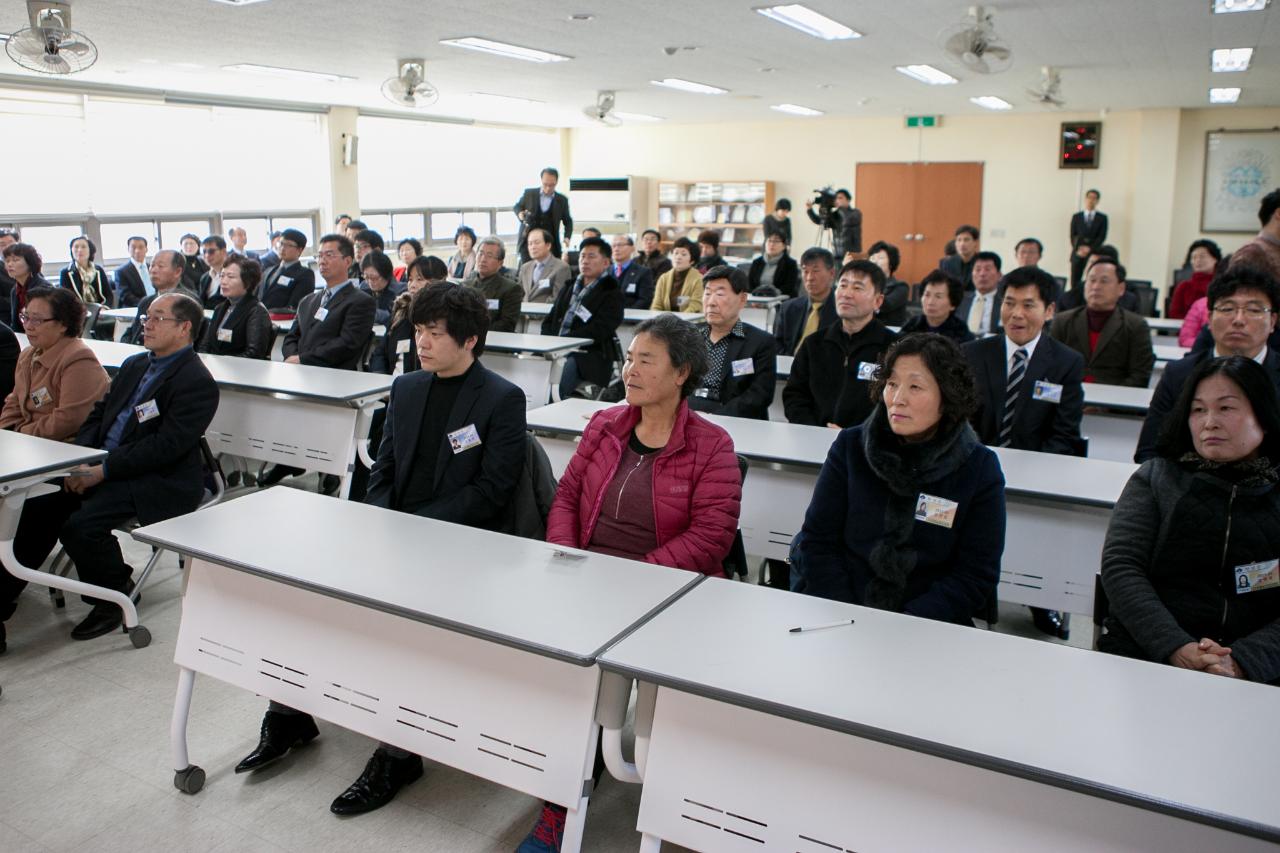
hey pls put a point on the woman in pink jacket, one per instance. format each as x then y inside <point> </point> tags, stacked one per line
<point>652,480</point>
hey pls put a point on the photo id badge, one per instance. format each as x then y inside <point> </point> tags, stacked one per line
<point>631,288</point>
<point>744,367</point>
<point>583,314</point>
<point>321,313</point>
<point>146,411</point>
<point>1257,576</point>
<point>492,303</point>
<point>41,397</point>
<point>402,347</point>
<point>939,511</point>
<point>1047,391</point>
<point>464,439</point>
<point>284,281</point>
<point>224,336</point>
<point>867,372</point>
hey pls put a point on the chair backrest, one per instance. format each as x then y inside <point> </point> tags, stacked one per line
<point>214,478</point>
<point>366,353</point>
<point>1146,296</point>
<point>91,312</point>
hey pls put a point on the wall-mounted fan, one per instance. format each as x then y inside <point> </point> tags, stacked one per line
<point>49,45</point>
<point>410,89</point>
<point>1049,91</point>
<point>975,45</point>
<point>602,110</point>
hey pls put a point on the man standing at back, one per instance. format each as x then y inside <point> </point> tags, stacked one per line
<point>812,310</point>
<point>543,207</point>
<point>1088,232</point>
<point>960,265</point>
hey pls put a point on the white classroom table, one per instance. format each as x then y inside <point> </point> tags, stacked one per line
<point>533,362</point>
<point>25,463</point>
<point>1058,507</point>
<point>467,647</point>
<point>898,733</point>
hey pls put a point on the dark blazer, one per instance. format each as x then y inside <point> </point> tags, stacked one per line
<point>6,294</point>
<point>284,285</point>
<point>471,487</point>
<point>1165,396</point>
<point>1092,235</point>
<point>1037,424</point>
<point>502,294</point>
<point>383,301</point>
<point>893,311</point>
<point>1123,356</point>
<point>827,383</point>
<point>252,334</point>
<point>749,395</point>
<point>339,339</point>
<point>786,278</point>
<point>604,303</point>
<point>9,352</point>
<point>206,279</point>
<point>789,324</point>
<point>160,457</point>
<point>658,263</point>
<point>556,218</point>
<point>387,354</point>
<point>952,327</point>
<point>637,284</point>
<point>129,287</point>
<point>269,259</point>
<point>70,279</point>
<point>959,269</point>
<point>962,312</point>
<point>194,268</point>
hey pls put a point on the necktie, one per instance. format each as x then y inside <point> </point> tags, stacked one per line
<point>1016,372</point>
<point>537,274</point>
<point>617,271</point>
<point>146,279</point>
<point>811,322</point>
<point>1088,217</point>
<point>977,311</point>
<point>324,300</point>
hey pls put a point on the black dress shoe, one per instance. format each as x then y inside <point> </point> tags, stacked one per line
<point>280,733</point>
<point>276,473</point>
<point>329,484</point>
<point>382,779</point>
<point>102,619</point>
<point>4,644</point>
<point>1051,622</point>
<point>233,479</point>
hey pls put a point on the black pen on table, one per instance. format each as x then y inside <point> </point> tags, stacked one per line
<point>800,629</point>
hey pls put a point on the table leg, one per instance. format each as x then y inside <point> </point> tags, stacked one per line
<point>576,820</point>
<point>611,713</point>
<point>186,776</point>
<point>650,843</point>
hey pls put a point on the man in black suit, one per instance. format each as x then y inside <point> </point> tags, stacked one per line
<point>214,249</point>
<point>150,423</point>
<point>240,242</point>
<point>812,310</point>
<point>133,278</point>
<point>286,284</point>
<point>543,207</point>
<point>635,279</point>
<point>743,359</point>
<point>166,273</point>
<point>452,449</point>
<point>960,265</point>
<point>845,222</point>
<point>978,308</point>
<point>1243,305</point>
<point>589,308</point>
<point>1088,232</point>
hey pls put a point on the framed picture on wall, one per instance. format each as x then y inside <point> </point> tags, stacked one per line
<point>1240,167</point>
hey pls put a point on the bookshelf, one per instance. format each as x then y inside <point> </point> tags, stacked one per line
<point>736,208</point>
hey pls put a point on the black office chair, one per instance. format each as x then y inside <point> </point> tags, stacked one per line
<point>366,353</point>
<point>1146,294</point>
<point>1101,607</point>
<point>736,562</point>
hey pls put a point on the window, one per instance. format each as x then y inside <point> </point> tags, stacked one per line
<point>405,225</point>
<point>380,222</point>
<point>478,221</point>
<point>444,226</point>
<point>508,224</point>
<point>53,242</point>
<point>171,232</point>
<point>115,238</point>
<point>257,232</point>
<point>305,224</point>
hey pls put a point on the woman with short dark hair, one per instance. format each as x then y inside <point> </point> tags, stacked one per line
<point>240,324</point>
<point>1203,259</point>
<point>893,310</point>
<point>409,250</point>
<point>463,262</point>
<point>378,276</point>
<point>680,288</point>
<point>1190,560</point>
<point>908,512</point>
<point>398,353</point>
<point>22,263</point>
<point>940,296</point>
<point>84,277</point>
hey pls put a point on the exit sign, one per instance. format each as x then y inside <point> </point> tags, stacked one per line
<point>923,121</point>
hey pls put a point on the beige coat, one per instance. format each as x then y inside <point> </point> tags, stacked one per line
<point>691,293</point>
<point>54,390</point>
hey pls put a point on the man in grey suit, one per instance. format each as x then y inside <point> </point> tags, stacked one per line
<point>543,275</point>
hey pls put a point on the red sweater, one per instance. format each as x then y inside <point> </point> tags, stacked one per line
<point>1187,292</point>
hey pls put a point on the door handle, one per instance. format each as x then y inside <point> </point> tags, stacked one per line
<point>907,237</point>
<point>919,236</point>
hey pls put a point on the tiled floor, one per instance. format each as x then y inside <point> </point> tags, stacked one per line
<point>85,763</point>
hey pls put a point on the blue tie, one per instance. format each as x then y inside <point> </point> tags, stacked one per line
<point>146,279</point>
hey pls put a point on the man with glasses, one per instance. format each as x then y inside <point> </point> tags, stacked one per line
<point>502,294</point>
<point>166,271</point>
<point>214,250</point>
<point>150,423</point>
<point>1243,303</point>
<point>285,284</point>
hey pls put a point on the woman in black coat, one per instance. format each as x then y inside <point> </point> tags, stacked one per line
<point>1190,560</point>
<point>785,277</point>
<point>240,325</point>
<point>398,352</point>
<point>908,512</point>
<point>84,277</point>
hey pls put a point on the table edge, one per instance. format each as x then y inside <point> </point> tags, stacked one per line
<point>92,454</point>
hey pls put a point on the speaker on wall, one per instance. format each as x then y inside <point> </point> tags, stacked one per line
<point>1080,145</point>
<point>350,149</point>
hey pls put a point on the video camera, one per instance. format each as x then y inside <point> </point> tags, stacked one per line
<point>825,199</point>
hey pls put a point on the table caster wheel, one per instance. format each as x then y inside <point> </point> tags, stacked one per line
<point>189,781</point>
<point>140,637</point>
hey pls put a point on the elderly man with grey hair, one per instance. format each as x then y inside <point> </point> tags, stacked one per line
<point>502,293</point>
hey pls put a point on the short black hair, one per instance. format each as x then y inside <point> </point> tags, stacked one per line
<point>968,229</point>
<point>1244,277</point>
<point>345,247</point>
<point>67,309</point>
<point>711,237</point>
<point>1106,250</point>
<point>895,257</point>
<point>144,240</point>
<point>685,347</point>
<point>411,242</point>
<point>381,263</point>
<point>1175,436</point>
<point>15,233</point>
<point>989,256</point>
<point>429,267</point>
<point>177,260</point>
<point>597,242</point>
<point>1121,273</point>
<point>955,287</point>
<point>1270,204</point>
<point>373,238</point>
<point>546,235</point>
<point>1039,246</point>
<point>595,232</point>
<point>467,231</point>
<point>686,244</point>
<point>356,225</point>
<point>653,231</point>
<point>186,309</point>
<point>28,253</point>
<point>294,236</point>
<point>1214,250</point>
<point>463,309</point>
<point>250,271</point>
<point>93,249</point>
<point>337,220</point>
<point>737,278</point>
<point>783,204</point>
<point>1095,192</point>
<point>550,170</point>
<point>844,192</point>
<point>185,237</point>
<point>819,254</point>
<point>215,240</point>
<point>942,358</point>
<point>867,268</point>
<point>1046,287</point>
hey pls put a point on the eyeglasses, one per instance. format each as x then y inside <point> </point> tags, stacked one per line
<point>1230,309</point>
<point>33,322</point>
<point>144,319</point>
<point>210,250</point>
<point>328,254</point>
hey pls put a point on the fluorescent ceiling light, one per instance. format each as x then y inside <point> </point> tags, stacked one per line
<point>1222,6</point>
<point>991,102</point>
<point>509,100</point>
<point>809,22</point>
<point>290,73</point>
<point>1224,96</point>
<point>637,117</point>
<point>689,86</point>
<point>796,110</point>
<point>926,74</point>
<point>1231,59</point>
<point>510,51</point>
<point>239,2</point>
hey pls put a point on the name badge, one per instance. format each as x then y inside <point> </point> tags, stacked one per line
<point>744,367</point>
<point>283,280</point>
<point>1047,391</point>
<point>492,303</point>
<point>321,313</point>
<point>146,411</point>
<point>224,336</point>
<point>933,510</point>
<point>1256,576</point>
<point>704,393</point>
<point>682,301</point>
<point>631,288</point>
<point>464,439</point>
<point>544,283</point>
<point>583,314</point>
<point>41,396</point>
<point>867,372</point>
<point>402,347</point>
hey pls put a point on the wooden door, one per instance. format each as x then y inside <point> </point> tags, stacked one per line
<point>886,196</point>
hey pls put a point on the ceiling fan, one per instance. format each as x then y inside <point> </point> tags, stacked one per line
<point>1049,92</point>
<point>602,110</point>
<point>410,87</point>
<point>49,45</point>
<point>975,44</point>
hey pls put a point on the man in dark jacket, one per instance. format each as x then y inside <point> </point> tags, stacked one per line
<point>543,207</point>
<point>960,265</point>
<point>845,222</point>
<point>774,268</point>
<point>1115,343</point>
<point>635,279</point>
<point>1088,232</point>
<point>812,310</point>
<point>501,292</point>
<point>453,449</point>
<point>1243,305</point>
<point>286,284</point>
<point>214,250</point>
<point>589,308</point>
<point>743,359</point>
<point>166,277</point>
<point>333,325</point>
<point>133,278</point>
<point>150,423</point>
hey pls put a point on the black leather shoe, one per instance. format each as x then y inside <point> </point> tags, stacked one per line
<point>4,644</point>
<point>329,484</point>
<point>1051,622</point>
<point>276,473</point>
<point>102,619</point>
<point>382,779</point>
<point>280,733</point>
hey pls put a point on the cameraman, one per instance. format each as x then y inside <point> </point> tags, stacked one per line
<point>844,220</point>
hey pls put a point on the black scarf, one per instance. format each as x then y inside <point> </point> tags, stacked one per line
<point>1258,472</point>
